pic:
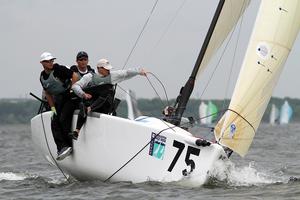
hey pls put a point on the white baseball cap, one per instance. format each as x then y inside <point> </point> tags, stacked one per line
<point>104,63</point>
<point>47,56</point>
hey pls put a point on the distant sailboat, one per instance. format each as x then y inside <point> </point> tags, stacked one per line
<point>203,113</point>
<point>207,112</point>
<point>132,108</point>
<point>274,115</point>
<point>212,112</point>
<point>286,113</point>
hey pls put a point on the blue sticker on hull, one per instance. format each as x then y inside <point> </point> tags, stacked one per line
<point>157,146</point>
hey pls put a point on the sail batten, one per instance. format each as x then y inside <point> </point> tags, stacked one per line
<point>266,54</point>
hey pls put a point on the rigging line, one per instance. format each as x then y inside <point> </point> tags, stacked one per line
<point>127,92</point>
<point>233,59</point>
<point>152,88</point>
<point>217,65</point>
<point>155,91</point>
<point>248,101</point>
<point>46,140</point>
<point>169,25</point>
<point>236,117</point>
<point>152,139</point>
<point>136,100</point>
<point>140,34</point>
<point>219,61</point>
<point>162,85</point>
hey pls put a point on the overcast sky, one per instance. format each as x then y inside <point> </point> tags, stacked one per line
<point>108,29</point>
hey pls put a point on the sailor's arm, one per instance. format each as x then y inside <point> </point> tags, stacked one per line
<point>75,78</point>
<point>121,75</point>
<point>50,101</point>
<point>80,85</point>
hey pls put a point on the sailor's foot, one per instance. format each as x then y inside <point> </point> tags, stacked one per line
<point>74,135</point>
<point>89,109</point>
<point>63,153</point>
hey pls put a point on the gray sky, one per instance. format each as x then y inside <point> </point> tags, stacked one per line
<point>108,29</point>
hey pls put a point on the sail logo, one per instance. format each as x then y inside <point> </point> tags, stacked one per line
<point>263,50</point>
<point>157,146</point>
<point>232,130</point>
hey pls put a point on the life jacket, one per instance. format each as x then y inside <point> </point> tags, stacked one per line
<point>80,75</point>
<point>102,97</point>
<point>53,85</point>
<point>99,80</point>
<point>102,92</point>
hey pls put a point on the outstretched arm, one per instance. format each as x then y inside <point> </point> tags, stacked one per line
<point>80,85</point>
<point>121,75</point>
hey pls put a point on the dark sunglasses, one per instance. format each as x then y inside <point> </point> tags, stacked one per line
<point>82,59</point>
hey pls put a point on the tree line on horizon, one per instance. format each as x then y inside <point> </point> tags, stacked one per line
<point>20,111</point>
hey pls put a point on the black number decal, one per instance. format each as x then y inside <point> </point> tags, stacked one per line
<point>180,147</point>
<point>188,161</point>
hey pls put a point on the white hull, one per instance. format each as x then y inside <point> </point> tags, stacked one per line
<point>106,143</point>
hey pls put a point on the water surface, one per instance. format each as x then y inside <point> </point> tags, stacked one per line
<point>271,170</point>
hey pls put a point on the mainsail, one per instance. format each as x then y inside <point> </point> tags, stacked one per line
<point>226,16</point>
<point>276,28</point>
<point>231,12</point>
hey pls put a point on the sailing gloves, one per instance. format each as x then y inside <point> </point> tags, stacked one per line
<point>53,112</point>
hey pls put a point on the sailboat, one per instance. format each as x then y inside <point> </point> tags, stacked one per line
<point>132,108</point>
<point>212,112</point>
<point>274,115</point>
<point>208,112</point>
<point>286,113</point>
<point>203,113</point>
<point>111,148</point>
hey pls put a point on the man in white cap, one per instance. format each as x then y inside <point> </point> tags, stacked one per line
<point>105,78</point>
<point>56,81</point>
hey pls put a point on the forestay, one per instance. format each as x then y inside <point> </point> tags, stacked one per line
<point>275,31</point>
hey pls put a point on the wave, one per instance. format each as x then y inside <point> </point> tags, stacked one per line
<point>53,179</point>
<point>227,172</point>
<point>10,176</point>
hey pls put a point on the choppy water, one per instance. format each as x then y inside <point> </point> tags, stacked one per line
<point>271,170</point>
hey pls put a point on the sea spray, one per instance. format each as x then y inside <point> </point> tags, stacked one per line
<point>10,176</point>
<point>227,171</point>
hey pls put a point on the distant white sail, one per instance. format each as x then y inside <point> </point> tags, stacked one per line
<point>274,115</point>
<point>275,31</point>
<point>229,16</point>
<point>203,113</point>
<point>132,108</point>
<point>286,113</point>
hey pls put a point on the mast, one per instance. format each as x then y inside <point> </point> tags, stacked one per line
<point>187,90</point>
